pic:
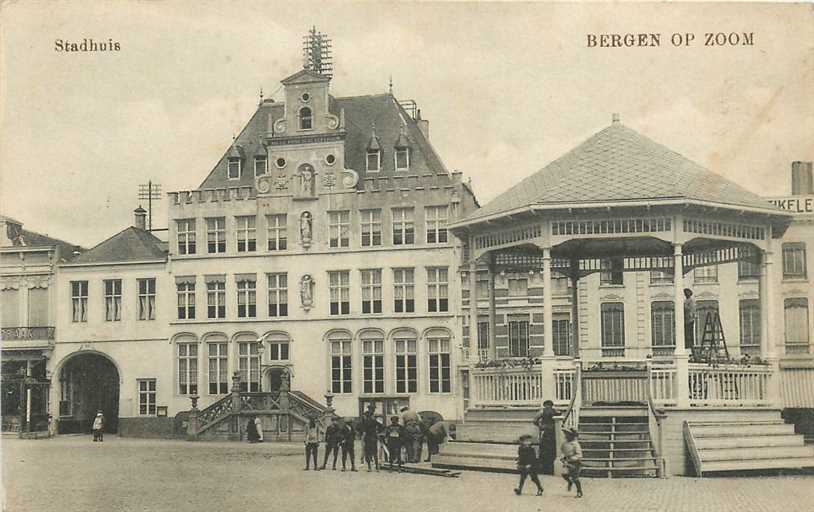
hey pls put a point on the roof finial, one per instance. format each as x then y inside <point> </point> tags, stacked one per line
<point>615,118</point>
<point>390,85</point>
<point>261,95</point>
<point>373,129</point>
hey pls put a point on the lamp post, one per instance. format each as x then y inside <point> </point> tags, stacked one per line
<point>261,349</point>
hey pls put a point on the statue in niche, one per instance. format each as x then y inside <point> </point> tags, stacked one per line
<point>285,379</point>
<point>307,291</point>
<point>306,228</point>
<point>307,181</point>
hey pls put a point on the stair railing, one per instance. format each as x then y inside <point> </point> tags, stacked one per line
<point>571,417</point>
<point>657,416</point>
<point>694,455</point>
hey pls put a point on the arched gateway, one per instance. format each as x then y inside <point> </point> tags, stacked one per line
<point>88,382</point>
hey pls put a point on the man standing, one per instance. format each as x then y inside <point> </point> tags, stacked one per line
<point>332,440</point>
<point>348,438</point>
<point>370,438</point>
<point>412,425</point>
<point>690,315</point>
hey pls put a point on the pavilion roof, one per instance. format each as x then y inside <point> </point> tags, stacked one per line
<point>619,165</point>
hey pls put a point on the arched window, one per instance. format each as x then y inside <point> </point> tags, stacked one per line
<point>248,361</point>
<point>372,361</point>
<point>187,354</point>
<point>217,363</point>
<point>305,118</point>
<point>438,352</point>
<point>406,363</point>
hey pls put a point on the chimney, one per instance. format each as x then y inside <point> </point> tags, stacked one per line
<point>423,124</point>
<point>802,178</point>
<point>141,218</point>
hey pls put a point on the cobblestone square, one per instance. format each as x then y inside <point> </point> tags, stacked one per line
<point>71,473</point>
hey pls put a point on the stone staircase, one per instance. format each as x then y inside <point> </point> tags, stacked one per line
<point>745,444</point>
<point>616,442</point>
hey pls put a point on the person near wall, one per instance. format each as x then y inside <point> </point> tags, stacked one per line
<point>98,427</point>
<point>348,444</point>
<point>544,420</point>
<point>251,430</point>
<point>412,425</point>
<point>690,315</point>
<point>311,444</point>
<point>370,429</point>
<point>333,438</point>
<point>258,425</point>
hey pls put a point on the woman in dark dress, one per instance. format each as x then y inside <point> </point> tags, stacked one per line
<point>251,430</point>
<point>548,450</point>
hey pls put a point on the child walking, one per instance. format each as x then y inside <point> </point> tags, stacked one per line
<point>527,465</point>
<point>572,460</point>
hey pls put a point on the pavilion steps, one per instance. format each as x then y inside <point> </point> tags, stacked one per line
<point>749,444</point>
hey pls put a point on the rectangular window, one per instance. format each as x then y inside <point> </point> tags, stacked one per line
<point>186,236</point>
<point>79,301</point>
<point>750,326</point>
<point>404,290</point>
<point>218,368</point>
<point>371,224</point>
<point>187,368</point>
<point>216,299</point>
<point>146,397</point>
<point>518,287</point>
<point>796,319</point>
<point>519,338</point>
<point>339,283</point>
<point>373,361</point>
<point>439,365</point>
<point>113,300</point>
<point>794,260</point>
<point>437,289</point>
<point>234,169</point>
<point>279,351</point>
<point>406,365</point>
<point>403,226</point>
<point>341,375</point>
<point>374,160</point>
<point>613,329</point>
<point>612,272</point>
<point>708,274</point>
<point>259,165</point>
<point>246,299</point>
<point>246,234</point>
<point>216,234</point>
<point>482,288</point>
<point>372,291</point>
<point>339,229</point>
<point>277,232</point>
<point>436,220</point>
<point>186,299</point>
<point>661,277</point>
<point>248,366</point>
<point>146,299</point>
<point>483,335</point>
<point>748,269</point>
<point>278,294</point>
<point>662,324</point>
<point>562,337</point>
<point>402,157</point>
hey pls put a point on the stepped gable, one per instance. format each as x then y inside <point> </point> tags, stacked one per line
<point>619,164</point>
<point>130,244</point>
<point>360,114</point>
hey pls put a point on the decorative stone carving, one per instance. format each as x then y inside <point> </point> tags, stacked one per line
<point>279,126</point>
<point>307,291</point>
<point>263,184</point>
<point>281,181</point>
<point>349,178</point>
<point>306,229</point>
<point>332,121</point>
<point>329,181</point>
<point>24,282</point>
<point>306,177</point>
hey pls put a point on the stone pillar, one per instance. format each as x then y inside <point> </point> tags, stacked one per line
<point>236,403</point>
<point>548,362</point>
<point>769,330</point>
<point>473,299</point>
<point>680,355</point>
<point>492,309</point>
<point>574,279</point>
<point>194,420</point>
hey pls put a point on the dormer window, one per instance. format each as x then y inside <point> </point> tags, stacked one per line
<point>402,159</point>
<point>234,168</point>
<point>259,165</point>
<point>305,118</point>
<point>374,160</point>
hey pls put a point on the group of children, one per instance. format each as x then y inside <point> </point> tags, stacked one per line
<point>527,462</point>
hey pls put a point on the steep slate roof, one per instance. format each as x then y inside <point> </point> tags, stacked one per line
<point>619,164</point>
<point>360,113</point>
<point>130,244</point>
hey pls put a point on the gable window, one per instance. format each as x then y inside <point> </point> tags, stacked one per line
<point>708,274</point>
<point>372,291</point>
<point>436,219</point>
<point>374,160</point>
<point>246,297</point>
<point>611,273</point>
<point>748,269</point>
<point>248,366</point>
<point>403,226</point>
<point>216,234</point>
<point>187,368</point>
<point>278,294</point>
<point>750,326</point>
<point>277,232</point>
<point>437,289</point>
<point>519,338</point>
<point>406,365</point>
<point>260,166</point>
<point>246,234</point>
<point>185,289</point>
<point>613,329</point>
<point>234,168</point>
<point>113,300</point>
<point>218,368</point>
<point>216,299</point>
<point>146,299</point>
<point>662,325</point>
<point>79,301</point>
<point>439,365</point>
<point>518,287</point>
<point>402,157</point>
<point>186,236</point>
<point>371,224</point>
<point>339,283</point>
<point>794,260</point>
<point>373,365</point>
<point>305,118</point>
<point>339,227</point>
<point>404,290</point>
<point>796,319</point>
<point>341,361</point>
<point>146,397</point>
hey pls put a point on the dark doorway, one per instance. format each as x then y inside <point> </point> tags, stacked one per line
<point>275,379</point>
<point>88,383</point>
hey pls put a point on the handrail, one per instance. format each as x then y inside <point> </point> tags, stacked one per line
<point>574,393</point>
<point>658,416</point>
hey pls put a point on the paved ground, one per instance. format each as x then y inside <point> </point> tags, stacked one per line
<point>71,473</point>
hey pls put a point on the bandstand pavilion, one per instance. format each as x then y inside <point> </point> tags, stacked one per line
<point>622,203</point>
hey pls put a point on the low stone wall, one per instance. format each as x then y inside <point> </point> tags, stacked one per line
<point>147,427</point>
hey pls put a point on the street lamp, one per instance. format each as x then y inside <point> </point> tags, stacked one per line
<point>261,349</point>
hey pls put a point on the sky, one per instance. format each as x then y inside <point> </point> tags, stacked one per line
<point>506,87</point>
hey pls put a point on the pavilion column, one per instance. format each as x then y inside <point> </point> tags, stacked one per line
<point>680,354</point>
<point>768,328</point>
<point>491,330</point>
<point>473,304</point>
<point>548,360</point>
<point>574,308</point>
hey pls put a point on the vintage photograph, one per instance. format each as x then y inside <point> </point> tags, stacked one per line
<point>451,256</point>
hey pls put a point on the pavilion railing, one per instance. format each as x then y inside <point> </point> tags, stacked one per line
<point>729,385</point>
<point>507,386</point>
<point>664,386</point>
